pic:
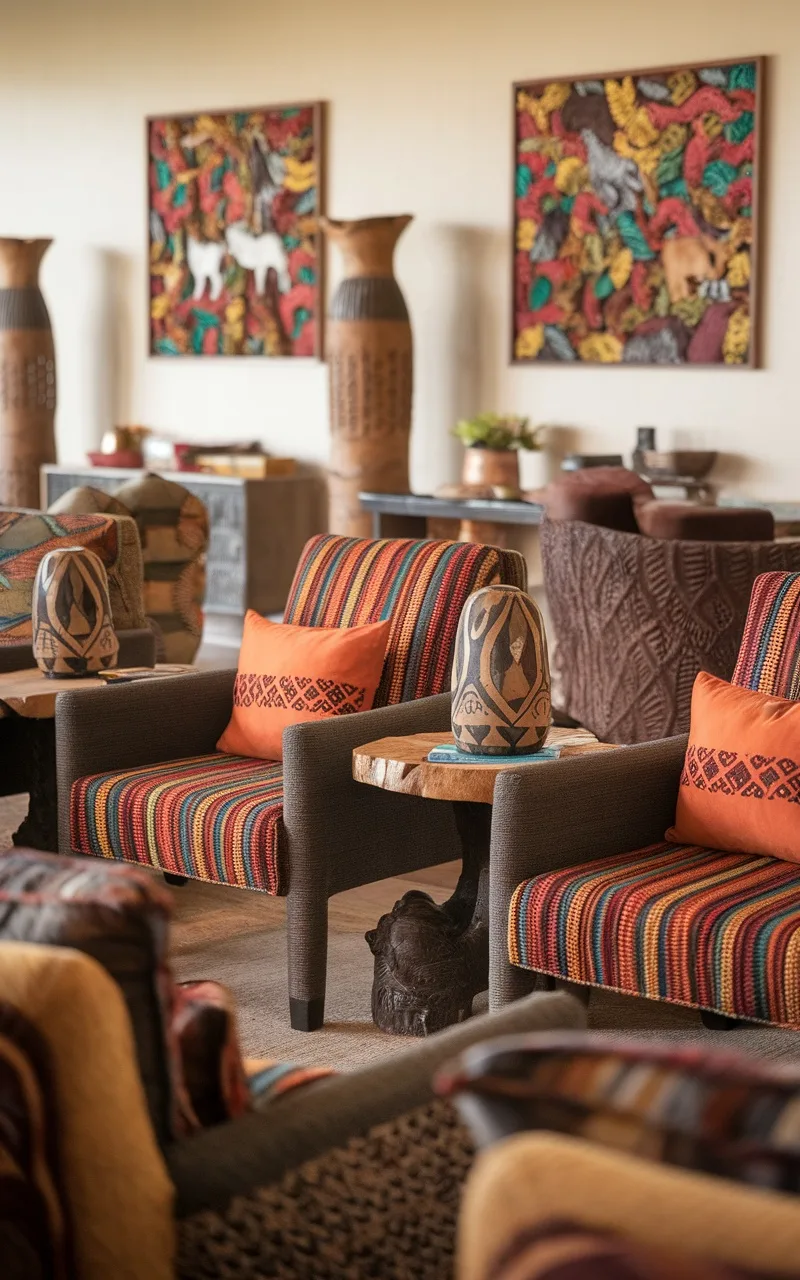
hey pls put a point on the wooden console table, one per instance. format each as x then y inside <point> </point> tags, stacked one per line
<point>406,515</point>
<point>258,529</point>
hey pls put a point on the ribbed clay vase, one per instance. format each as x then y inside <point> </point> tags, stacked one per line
<point>73,632</point>
<point>501,675</point>
<point>369,354</point>
<point>27,374</point>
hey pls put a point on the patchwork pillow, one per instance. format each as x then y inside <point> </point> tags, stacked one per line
<point>715,1113</point>
<point>740,785</point>
<point>289,674</point>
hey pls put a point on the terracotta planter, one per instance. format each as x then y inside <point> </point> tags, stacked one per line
<point>491,468</point>
<point>501,675</point>
<point>27,374</point>
<point>73,634</point>
<point>369,356</point>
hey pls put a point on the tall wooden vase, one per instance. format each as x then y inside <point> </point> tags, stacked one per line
<point>27,374</point>
<point>370,360</point>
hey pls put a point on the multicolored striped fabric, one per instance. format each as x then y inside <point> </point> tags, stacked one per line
<point>215,817</point>
<point>421,586</point>
<point>716,931</point>
<point>769,656</point>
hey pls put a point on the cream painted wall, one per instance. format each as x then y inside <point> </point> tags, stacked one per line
<point>419,120</point>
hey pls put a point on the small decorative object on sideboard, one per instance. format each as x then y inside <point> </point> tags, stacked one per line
<point>491,457</point>
<point>369,353</point>
<point>28,382</point>
<point>501,675</point>
<point>73,634</point>
<point>645,441</point>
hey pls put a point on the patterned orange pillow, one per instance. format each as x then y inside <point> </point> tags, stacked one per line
<point>288,674</point>
<point>740,786</point>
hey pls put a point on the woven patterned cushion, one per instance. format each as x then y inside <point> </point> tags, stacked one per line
<point>717,931</point>
<point>26,536</point>
<point>421,586</point>
<point>769,656</point>
<point>212,817</point>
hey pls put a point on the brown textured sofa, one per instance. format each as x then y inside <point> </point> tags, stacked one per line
<point>352,1175</point>
<point>636,618</point>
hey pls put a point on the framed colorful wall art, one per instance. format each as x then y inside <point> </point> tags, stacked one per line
<point>635,217</point>
<point>235,246</point>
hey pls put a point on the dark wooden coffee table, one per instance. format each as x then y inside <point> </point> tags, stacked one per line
<point>29,699</point>
<point>432,959</point>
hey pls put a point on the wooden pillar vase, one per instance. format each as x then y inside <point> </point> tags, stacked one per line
<point>27,374</point>
<point>501,675</point>
<point>73,632</point>
<point>370,361</point>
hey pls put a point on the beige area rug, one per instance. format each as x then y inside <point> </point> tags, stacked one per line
<point>239,938</point>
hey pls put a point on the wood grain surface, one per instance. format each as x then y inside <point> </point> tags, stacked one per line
<point>32,695</point>
<point>401,765</point>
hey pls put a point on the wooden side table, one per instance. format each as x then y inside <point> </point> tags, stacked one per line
<point>29,697</point>
<point>431,960</point>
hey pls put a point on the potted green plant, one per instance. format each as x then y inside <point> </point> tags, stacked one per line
<point>491,457</point>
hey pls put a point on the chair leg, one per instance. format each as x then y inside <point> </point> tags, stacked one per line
<point>718,1021</point>
<point>307,937</point>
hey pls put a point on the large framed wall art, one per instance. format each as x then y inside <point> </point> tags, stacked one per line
<point>636,216</point>
<point>234,202</point>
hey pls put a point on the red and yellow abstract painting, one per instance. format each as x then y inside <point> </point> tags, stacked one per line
<point>634,217</point>
<point>234,204</point>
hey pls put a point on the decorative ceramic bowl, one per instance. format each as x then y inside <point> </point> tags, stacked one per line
<point>689,464</point>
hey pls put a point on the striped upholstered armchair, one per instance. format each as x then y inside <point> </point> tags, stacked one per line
<point>719,932</point>
<point>139,778</point>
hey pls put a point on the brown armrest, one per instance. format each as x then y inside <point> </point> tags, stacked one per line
<point>548,816</point>
<point>343,832</point>
<point>137,724</point>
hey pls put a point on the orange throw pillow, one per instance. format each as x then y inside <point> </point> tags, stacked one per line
<point>288,674</point>
<point>740,786</point>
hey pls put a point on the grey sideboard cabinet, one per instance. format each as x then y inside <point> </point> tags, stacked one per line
<point>258,529</point>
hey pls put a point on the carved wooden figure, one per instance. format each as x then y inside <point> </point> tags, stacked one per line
<point>73,633</point>
<point>27,374</point>
<point>501,674</point>
<point>370,360</point>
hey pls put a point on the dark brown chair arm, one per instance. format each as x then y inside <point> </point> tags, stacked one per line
<point>548,816</point>
<point>336,825</point>
<point>142,723</point>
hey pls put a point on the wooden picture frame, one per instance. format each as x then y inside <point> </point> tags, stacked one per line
<point>620,170</point>
<point>235,249</point>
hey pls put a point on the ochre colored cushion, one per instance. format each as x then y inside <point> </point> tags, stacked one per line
<point>740,786</point>
<point>112,1184</point>
<point>717,931</point>
<point>697,523</point>
<point>212,817</point>
<point>290,674</point>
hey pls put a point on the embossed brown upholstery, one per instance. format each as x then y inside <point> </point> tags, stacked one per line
<point>635,619</point>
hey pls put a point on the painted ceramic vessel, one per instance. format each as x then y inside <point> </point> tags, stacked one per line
<point>501,674</point>
<point>27,374</point>
<point>73,632</point>
<point>369,353</point>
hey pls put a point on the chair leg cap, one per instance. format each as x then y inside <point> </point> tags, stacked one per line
<point>306,1015</point>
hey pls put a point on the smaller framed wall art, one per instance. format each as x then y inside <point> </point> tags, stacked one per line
<point>635,217</point>
<point>235,246</point>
